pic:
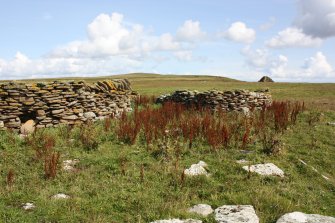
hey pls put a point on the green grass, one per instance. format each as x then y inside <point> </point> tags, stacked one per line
<point>101,193</point>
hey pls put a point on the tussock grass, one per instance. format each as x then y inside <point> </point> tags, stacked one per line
<point>140,181</point>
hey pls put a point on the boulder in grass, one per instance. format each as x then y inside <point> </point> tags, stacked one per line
<point>267,169</point>
<point>28,127</point>
<point>197,169</point>
<point>236,214</point>
<point>201,209</point>
<point>265,79</point>
<point>60,196</point>
<point>28,206</point>
<point>178,221</point>
<point>299,217</point>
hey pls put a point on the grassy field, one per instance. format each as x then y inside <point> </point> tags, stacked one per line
<point>117,181</point>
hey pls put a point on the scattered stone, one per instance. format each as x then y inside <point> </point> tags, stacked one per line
<point>60,196</point>
<point>2,124</point>
<point>268,169</point>
<point>331,123</point>
<point>28,206</point>
<point>299,217</point>
<point>178,221</point>
<point>28,127</point>
<point>197,169</point>
<point>69,165</point>
<point>242,161</point>
<point>236,214</point>
<point>201,209</point>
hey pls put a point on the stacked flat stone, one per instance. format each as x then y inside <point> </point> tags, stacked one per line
<point>236,100</point>
<point>50,104</point>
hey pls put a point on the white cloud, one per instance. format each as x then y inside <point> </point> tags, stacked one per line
<point>255,58</point>
<point>318,66</point>
<point>190,31</point>
<point>316,17</point>
<point>293,37</point>
<point>239,32</point>
<point>278,67</point>
<point>109,35</point>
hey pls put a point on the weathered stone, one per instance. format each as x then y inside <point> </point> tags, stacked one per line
<point>178,221</point>
<point>201,209</point>
<point>197,169</point>
<point>69,165</point>
<point>236,214</point>
<point>268,169</point>
<point>299,217</point>
<point>60,196</point>
<point>55,112</point>
<point>28,127</point>
<point>70,117</point>
<point>2,124</point>
<point>28,206</point>
<point>89,115</point>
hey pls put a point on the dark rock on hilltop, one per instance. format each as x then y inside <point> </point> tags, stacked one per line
<point>265,79</point>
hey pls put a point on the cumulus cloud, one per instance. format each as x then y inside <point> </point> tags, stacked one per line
<point>255,58</point>
<point>293,37</point>
<point>315,68</point>
<point>239,32</point>
<point>318,66</point>
<point>190,31</point>
<point>113,45</point>
<point>316,17</point>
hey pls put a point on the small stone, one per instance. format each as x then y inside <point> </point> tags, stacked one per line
<point>70,117</point>
<point>236,214</point>
<point>178,221</point>
<point>60,196</point>
<point>89,115</point>
<point>242,161</point>
<point>299,217</point>
<point>69,165</point>
<point>201,209</point>
<point>2,124</point>
<point>331,123</point>
<point>28,206</point>
<point>28,127</point>
<point>197,169</point>
<point>56,112</point>
<point>268,169</point>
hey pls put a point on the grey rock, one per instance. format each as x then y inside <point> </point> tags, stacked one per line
<point>299,217</point>
<point>236,214</point>
<point>60,196</point>
<point>28,206</point>
<point>201,209</point>
<point>197,169</point>
<point>178,221</point>
<point>267,169</point>
<point>89,115</point>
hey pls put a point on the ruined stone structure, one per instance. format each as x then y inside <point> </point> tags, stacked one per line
<point>50,104</point>
<point>237,100</point>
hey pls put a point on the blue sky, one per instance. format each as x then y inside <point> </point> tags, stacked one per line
<point>289,40</point>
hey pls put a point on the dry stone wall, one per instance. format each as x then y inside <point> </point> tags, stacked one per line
<point>237,100</point>
<point>50,104</point>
